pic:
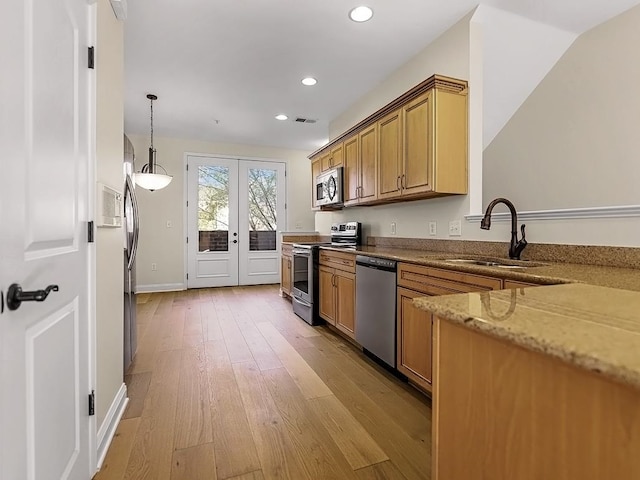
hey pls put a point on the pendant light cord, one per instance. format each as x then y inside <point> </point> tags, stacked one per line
<point>151,123</point>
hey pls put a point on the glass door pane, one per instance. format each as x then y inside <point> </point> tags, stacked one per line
<point>262,199</point>
<point>213,208</point>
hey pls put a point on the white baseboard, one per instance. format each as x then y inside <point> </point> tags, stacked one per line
<point>108,428</point>
<point>160,287</point>
<point>623,211</point>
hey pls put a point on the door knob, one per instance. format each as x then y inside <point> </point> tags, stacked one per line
<point>235,241</point>
<point>15,295</point>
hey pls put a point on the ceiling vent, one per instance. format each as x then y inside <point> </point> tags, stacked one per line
<point>305,120</point>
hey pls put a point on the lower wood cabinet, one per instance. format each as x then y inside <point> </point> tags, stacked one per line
<point>285,270</point>
<point>338,291</point>
<point>414,339</point>
<point>415,326</point>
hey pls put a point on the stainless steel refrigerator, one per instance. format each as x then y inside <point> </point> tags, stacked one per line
<point>131,229</point>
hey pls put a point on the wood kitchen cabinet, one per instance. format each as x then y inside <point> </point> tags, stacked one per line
<point>414,326</point>
<point>337,283</point>
<point>425,147</point>
<point>360,167</point>
<point>333,157</point>
<point>415,147</point>
<point>286,260</point>
<point>390,155</point>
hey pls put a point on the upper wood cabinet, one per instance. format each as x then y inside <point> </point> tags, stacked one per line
<point>360,167</point>
<point>414,147</point>
<point>332,157</point>
<point>390,155</point>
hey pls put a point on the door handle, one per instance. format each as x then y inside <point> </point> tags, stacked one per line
<point>15,295</point>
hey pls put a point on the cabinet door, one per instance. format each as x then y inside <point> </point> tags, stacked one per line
<point>346,302</point>
<point>316,168</point>
<point>414,339</point>
<point>389,155</point>
<point>337,156</point>
<point>285,275</point>
<point>327,295</point>
<point>325,160</point>
<point>417,118</point>
<point>368,140</point>
<point>351,172</point>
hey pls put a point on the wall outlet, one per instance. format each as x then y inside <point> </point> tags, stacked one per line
<point>432,228</point>
<point>298,226</point>
<point>154,267</point>
<point>393,228</point>
<point>455,228</point>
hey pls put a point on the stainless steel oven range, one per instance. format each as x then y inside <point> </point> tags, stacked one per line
<point>305,289</point>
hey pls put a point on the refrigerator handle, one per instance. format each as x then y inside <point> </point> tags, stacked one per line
<point>129,190</point>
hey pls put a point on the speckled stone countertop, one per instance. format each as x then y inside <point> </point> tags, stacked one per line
<point>543,273</point>
<point>586,315</point>
<point>592,327</point>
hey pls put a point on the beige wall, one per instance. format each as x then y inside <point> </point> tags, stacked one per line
<point>165,246</point>
<point>109,241</point>
<point>574,142</point>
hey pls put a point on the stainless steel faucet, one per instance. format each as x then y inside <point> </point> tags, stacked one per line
<point>516,246</point>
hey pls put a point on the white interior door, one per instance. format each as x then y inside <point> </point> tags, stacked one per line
<point>234,210</point>
<point>212,220</point>
<point>261,210</point>
<point>45,150</point>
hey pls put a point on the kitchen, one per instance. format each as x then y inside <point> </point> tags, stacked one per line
<point>557,151</point>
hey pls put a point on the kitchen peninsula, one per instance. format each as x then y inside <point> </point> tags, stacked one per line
<point>536,383</point>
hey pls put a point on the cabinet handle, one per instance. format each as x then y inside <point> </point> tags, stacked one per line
<point>402,182</point>
<point>346,262</point>
<point>398,183</point>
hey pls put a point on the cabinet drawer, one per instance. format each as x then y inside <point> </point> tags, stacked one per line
<point>435,281</point>
<point>287,248</point>
<point>338,260</point>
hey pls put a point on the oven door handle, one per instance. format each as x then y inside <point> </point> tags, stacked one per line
<point>297,300</point>
<point>301,251</point>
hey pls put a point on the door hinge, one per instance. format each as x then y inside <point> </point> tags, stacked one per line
<point>187,203</point>
<point>90,232</point>
<point>187,239</point>
<point>92,403</point>
<point>187,167</point>
<point>91,58</point>
<point>187,276</point>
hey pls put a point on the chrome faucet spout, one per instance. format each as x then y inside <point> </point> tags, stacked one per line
<point>515,246</point>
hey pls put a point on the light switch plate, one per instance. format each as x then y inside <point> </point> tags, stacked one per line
<point>393,228</point>
<point>432,228</point>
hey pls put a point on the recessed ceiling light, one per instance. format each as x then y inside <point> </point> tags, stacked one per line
<point>361,14</point>
<point>309,81</point>
<point>281,116</point>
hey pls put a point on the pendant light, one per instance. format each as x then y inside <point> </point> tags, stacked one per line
<point>147,177</point>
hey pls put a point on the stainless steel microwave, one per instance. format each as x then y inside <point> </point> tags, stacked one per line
<point>328,189</point>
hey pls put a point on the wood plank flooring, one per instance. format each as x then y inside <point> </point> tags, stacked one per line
<point>229,384</point>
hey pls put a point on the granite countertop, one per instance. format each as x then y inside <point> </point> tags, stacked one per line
<point>591,327</point>
<point>543,273</point>
<point>586,315</point>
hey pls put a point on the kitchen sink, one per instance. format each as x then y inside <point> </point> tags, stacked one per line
<point>492,262</point>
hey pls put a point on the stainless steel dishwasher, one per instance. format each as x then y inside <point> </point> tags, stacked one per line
<point>376,307</point>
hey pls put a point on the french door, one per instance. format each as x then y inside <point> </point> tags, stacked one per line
<point>235,208</point>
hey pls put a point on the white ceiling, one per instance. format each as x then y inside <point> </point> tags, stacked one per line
<point>241,61</point>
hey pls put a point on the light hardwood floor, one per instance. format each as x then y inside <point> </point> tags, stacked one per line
<point>228,383</point>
